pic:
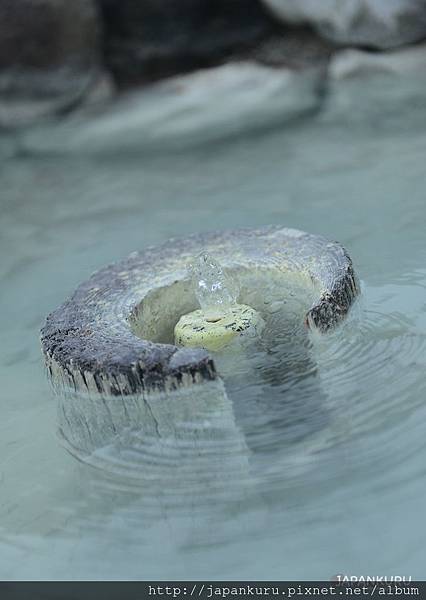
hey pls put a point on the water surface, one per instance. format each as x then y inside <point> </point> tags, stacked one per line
<point>330,430</point>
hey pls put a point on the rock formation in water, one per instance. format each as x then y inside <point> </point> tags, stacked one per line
<point>115,335</point>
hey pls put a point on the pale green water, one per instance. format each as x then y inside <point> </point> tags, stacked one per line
<point>337,445</point>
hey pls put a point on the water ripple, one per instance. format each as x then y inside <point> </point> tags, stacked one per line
<point>300,411</point>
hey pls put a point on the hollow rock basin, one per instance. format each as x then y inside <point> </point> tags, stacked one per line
<point>114,337</point>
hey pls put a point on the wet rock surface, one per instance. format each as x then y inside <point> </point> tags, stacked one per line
<point>99,341</point>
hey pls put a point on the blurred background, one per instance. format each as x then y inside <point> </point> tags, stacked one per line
<point>126,122</point>
<point>58,58</point>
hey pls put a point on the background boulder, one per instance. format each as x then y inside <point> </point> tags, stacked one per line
<point>150,39</point>
<point>49,56</point>
<point>370,23</point>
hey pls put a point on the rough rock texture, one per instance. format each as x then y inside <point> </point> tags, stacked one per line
<point>371,23</point>
<point>111,337</point>
<point>149,39</point>
<point>49,56</point>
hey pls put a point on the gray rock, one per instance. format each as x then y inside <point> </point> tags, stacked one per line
<point>115,335</point>
<point>371,23</point>
<point>295,48</point>
<point>49,57</point>
<point>110,352</point>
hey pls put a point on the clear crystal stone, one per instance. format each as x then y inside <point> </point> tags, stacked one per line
<point>214,289</point>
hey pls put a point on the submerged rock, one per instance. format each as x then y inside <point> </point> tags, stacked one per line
<point>374,23</point>
<point>49,57</point>
<point>207,105</point>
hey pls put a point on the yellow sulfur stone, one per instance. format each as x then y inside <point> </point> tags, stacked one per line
<point>202,330</point>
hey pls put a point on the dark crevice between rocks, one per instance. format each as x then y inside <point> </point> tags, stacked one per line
<point>150,40</point>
